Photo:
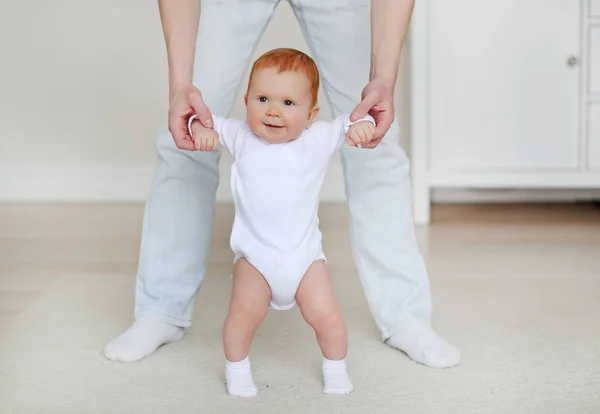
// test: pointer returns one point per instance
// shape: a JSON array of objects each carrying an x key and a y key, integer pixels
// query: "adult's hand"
[
  {"x": 377, "y": 101},
  {"x": 185, "y": 101}
]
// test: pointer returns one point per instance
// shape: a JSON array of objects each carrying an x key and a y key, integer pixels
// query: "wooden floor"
[{"x": 40, "y": 243}]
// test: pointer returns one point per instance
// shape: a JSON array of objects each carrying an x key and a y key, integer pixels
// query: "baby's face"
[{"x": 279, "y": 105}]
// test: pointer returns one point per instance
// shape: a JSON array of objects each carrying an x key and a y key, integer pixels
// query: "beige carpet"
[{"x": 530, "y": 345}]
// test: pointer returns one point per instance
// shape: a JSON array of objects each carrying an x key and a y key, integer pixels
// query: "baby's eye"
[
  {"x": 262, "y": 99},
  {"x": 287, "y": 102}
]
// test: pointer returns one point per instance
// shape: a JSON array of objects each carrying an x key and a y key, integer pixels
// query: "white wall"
[{"x": 83, "y": 88}]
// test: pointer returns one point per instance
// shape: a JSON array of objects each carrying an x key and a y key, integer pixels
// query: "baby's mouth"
[{"x": 274, "y": 126}]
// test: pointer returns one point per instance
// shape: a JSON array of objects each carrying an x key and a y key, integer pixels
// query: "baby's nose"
[{"x": 273, "y": 112}]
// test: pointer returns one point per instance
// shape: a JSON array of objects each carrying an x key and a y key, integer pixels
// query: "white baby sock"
[
  {"x": 424, "y": 346},
  {"x": 335, "y": 377},
  {"x": 239, "y": 378},
  {"x": 142, "y": 339}
]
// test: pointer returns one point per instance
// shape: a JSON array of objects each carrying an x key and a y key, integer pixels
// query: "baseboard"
[
  {"x": 457, "y": 195},
  {"x": 112, "y": 184},
  {"x": 131, "y": 184}
]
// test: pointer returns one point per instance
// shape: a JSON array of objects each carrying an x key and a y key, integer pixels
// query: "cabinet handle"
[{"x": 572, "y": 61}]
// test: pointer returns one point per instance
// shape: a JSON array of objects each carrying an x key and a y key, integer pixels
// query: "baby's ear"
[{"x": 312, "y": 115}]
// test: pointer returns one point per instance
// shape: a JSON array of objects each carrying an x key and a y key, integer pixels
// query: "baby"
[{"x": 280, "y": 159}]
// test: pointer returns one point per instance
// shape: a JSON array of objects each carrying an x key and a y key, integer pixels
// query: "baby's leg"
[
  {"x": 320, "y": 309},
  {"x": 248, "y": 307}
]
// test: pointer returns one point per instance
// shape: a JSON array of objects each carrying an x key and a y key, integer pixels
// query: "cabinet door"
[
  {"x": 593, "y": 131},
  {"x": 594, "y": 8},
  {"x": 503, "y": 93},
  {"x": 594, "y": 60}
]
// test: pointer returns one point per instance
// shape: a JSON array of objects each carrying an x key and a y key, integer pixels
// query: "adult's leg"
[
  {"x": 390, "y": 265},
  {"x": 178, "y": 218}
]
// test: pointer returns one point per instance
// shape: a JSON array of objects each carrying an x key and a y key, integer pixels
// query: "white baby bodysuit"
[{"x": 276, "y": 190}]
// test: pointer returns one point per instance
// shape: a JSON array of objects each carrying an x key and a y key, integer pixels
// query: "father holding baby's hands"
[{"x": 354, "y": 42}]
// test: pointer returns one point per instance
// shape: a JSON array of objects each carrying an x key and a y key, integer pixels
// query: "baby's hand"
[
  {"x": 360, "y": 133},
  {"x": 205, "y": 139}
]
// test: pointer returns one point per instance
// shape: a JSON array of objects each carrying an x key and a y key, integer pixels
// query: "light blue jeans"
[{"x": 178, "y": 218}]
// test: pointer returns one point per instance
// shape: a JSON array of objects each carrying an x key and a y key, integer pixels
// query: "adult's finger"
[
  {"x": 177, "y": 124},
  {"x": 384, "y": 121},
  {"x": 204, "y": 115},
  {"x": 372, "y": 144},
  {"x": 369, "y": 101},
  {"x": 185, "y": 144},
  {"x": 179, "y": 131}
]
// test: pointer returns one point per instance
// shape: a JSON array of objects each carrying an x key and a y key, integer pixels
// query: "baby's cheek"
[{"x": 254, "y": 124}]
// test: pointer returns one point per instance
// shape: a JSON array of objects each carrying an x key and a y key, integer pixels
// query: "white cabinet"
[
  {"x": 497, "y": 95},
  {"x": 594, "y": 8},
  {"x": 594, "y": 60},
  {"x": 496, "y": 89}
]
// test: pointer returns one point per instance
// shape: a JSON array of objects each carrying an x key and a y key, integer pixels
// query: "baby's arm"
[
  {"x": 354, "y": 133},
  {"x": 361, "y": 132},
  {"x": 224, "y": 133},
  {"x": 205, "y": 139},
  {"x": 330, "y": 136}
]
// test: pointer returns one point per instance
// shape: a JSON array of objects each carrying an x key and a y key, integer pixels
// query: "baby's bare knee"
[
  {"x": 323, "y": 316},
  {"x": 247, "y": 310}
]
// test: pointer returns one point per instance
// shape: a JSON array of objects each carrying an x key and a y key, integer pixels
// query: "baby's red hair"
[{"x": 290, "y": 60}]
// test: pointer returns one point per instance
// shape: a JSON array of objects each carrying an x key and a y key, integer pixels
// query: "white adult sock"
[
  {"x": 335, "y": 377},
  {"x": 239, "y": 378},
  {"x": 424, "y": 346},
  {"x": 144, "y": 337}
]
